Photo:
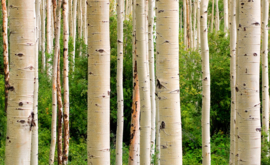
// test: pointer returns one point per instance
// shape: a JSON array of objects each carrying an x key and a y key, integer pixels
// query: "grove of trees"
[{"x": 134, "y": 82}]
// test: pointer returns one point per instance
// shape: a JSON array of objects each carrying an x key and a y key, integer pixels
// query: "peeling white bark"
[{"x": 98, "y": 127}]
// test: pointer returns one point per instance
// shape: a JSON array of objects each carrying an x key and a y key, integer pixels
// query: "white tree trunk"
[
  {"x": 151, "y": 4},
  {"x": 80, "y": 24},
  {"x": 212, "y": 16},
  {"x": 206, "y": 154},
  {"x": 66, "y": 82},
  {"x": 20, "y": 116},
  {"x": 74, "y": 14},
  {"x": 98, "y": 128},
  {"x": 248, "y": 86},
  {"x": 34, "y": 145},
  {"x": 145, "y": 124},
  {"x": 49, "y": 37},
  {"x": 190, "y": 24},
  {"x": 265, "y": 78},
  {"x": 168, "y": 82},
  {"x": 198, "y": 25},
  {"x": 120, "y": 97},
  {"x": 233, "y": 33},
  {"x": 226, "y": 21},
  {"x": 43, "y": 39},
  {"x": 217, "y": 17},
  {"x": 70, "y": 18},
  {"x": 54, "y": 82},
  {"x": 84, "y": 11}
]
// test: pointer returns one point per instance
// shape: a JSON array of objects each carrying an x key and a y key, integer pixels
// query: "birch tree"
[
  {"x": 74, "y": 14},
  {"x": 265, "y": 78},
  {"x": 145, "y": 103},
  {"x": 54, "y": 81},
  {"x": 34, "y": 145},
  {"x": 49, "y": 38},
  {"x": 98, "y": 128},
  {"x": 206, "y": 154},
  {"x": 66, "y": 82},
  {"x": 151, "y": 4},
  {"x": 188, "y": 23},
  {"x": 226, "y": 22},
  {"x": 247, "y": 89},
  {"x": 185, "y": 21},
  {"x": 198, "y": 24},
  {"x": 5, "y": 51},
  {"x": 120, "y": 97},
  {"x": 135, "y": 115},
  {"x": 195, "y": 4},
  {"x": 233, "y": 77},
  {"x": 168, "y": 82},
  {"x": 20, "y": 116},
  {"x": 84, "y": 28},
  {"x": 43, "y": 40}
]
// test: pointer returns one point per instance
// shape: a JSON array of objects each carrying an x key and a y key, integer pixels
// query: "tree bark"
[
  {"x": 198, "y": 25},
  {"x": 265, "y": 78},
  {"x": 71, "y": 31},
  {"x": 74, "y": 13},
  {"x": 5, "y": 51},
  {"x": 226, "y": 21},
  {"x": 84, "y": 24},
  {"x": 185, "y": 21},
  {"x": 20, "y": 116},
  {"x": 98, "y": 129},
  {"x": 60, "y": 115},
  {"x": 54, "y": 82},
  {"x": 151, "y": 55},
  {"x": 135, "y": 115},
  {"x": 80, "y": 23},
  {"x": 49, "y": 38},
  {"x": 145, "y": 104},
  {"x": 206, "y": 154},
  {"x": 233, "y": 33},
  {"x": 191, "y": 24},
  {"x": 34, "y": 145},
  {"x": 188, "y": 23},
  {"x": 168, "y": 82},
  {"x": 54, "y": 3},
  {"x": 120, "y": 97},
  {"x": 43, "y": 39},
  {"x": 66, "y": 82},
  {"x": 247, "y": 88}
]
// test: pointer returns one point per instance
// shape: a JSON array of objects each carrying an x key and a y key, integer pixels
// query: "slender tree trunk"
[
  {"x": 145, "y": 105},
  {"x": 213, "y": 15},
  {"x": 265, "y": 78},
  {"x": 66, "y": 82},
  {"x": 84, "y": 11},
  {"x": 236, "y": 151},
  {"x": 54, "y": 82},
  {"x": 80, "y": 23},
  {"x": 20, "y": 116},
  {"x": 217, "y": 17},
  {"x": 226, "y": 21},
  {"x": 168, "y": 82},
  {"x": 206, "y": 154},
  {"x": 54, "y": 2},
  {"x": 233, "y": 77},
  {"x": 248, "y": 86},
  {"x": 151, "y": 55},
  {"x": 49, "y": 38},
  {"x": 98, "y": 144},
  {"x": 34, "y": 145},
  {"x": 185, "y": 21},
  {"x": 120, "y": 97},
  {"x": 198, "y": 25},
  {"x": 5, "y": 49},
  {"x": 188, "y": 24},
  {"x": 70, "y": 18},
  {"x": 194, "y": 22},
  {"x": 135, "y": 115},
  {"x": 43, "y": 39},
  {"x": 60, "y": 115},
  {"x": 74, "y": 14}
]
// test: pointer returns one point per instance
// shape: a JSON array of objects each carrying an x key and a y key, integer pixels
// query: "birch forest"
[{"x": 134, "y": 82}]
